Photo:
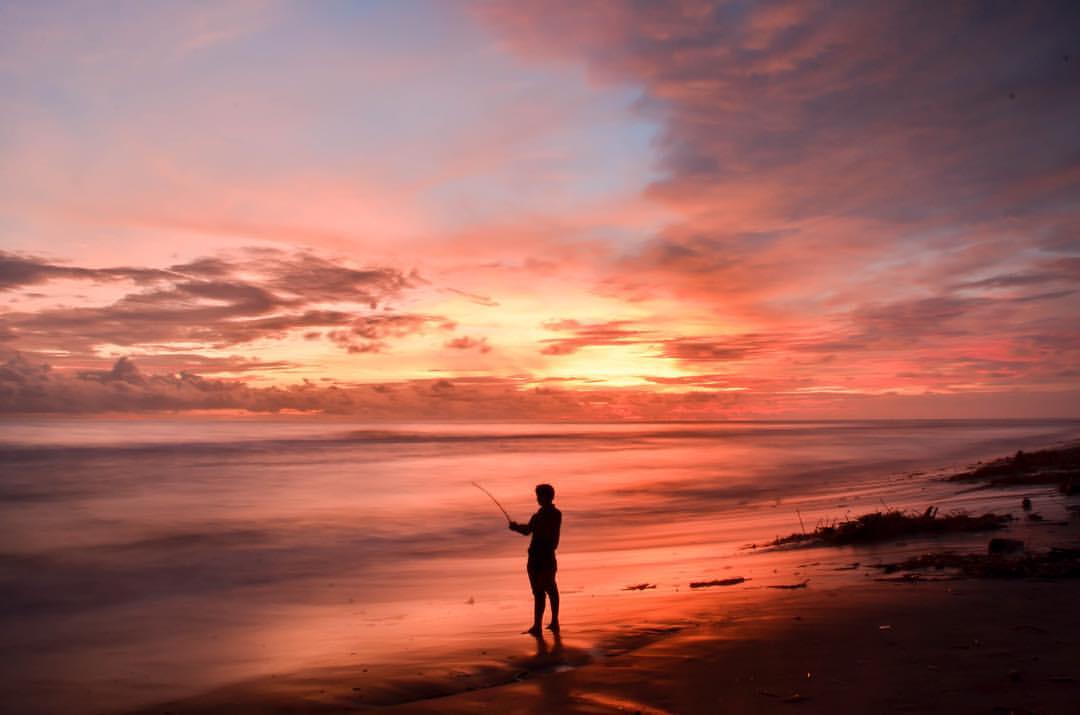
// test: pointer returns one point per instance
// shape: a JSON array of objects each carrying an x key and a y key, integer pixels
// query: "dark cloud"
[
  {"x": 702, "y": 381},
  {"x": 965, "y": 368},
  {"x": 305, "y": 277},
  {"x": 219, "y": 302},
  {"x": 468, "y": 343},
  {"x": 175, "y": 316},
  {"x": 475, "y": 298},
  {"x": 729, "y": 349},
  {"x": 912, "y": 319},
  {"x": 30, "y": 387},
  {"x": 896, "y": 111},
  {"x": 200, "y": 364},
  {"x": 204, "y": 268},
  {"x": 27, "y": 386},
  {"x": 584, "y": 335},
  {"x": 312, "y": 278},
  {"x": 1065, "y": 269},
  {"x": 1063, "y": 236},
  {"x": 369, "y": 334},
  {"x": 20, "y": 270}
]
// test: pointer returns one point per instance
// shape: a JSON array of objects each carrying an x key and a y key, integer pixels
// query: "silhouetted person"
[{"x": 544, "y": 527}]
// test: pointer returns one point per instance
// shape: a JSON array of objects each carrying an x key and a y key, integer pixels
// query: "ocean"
[{"x": 150, "y": 559}]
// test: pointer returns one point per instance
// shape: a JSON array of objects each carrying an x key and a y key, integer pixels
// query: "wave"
[{"x": 623, "y": 435}]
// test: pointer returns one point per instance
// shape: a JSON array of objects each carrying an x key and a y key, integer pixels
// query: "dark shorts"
[{"x": 541, "y": 579}]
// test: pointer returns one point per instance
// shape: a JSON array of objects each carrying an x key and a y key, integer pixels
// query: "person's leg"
[
  {"x": 537, "y": 587},
  {"x": 553, "y": 596},
  {"x": 538, "y": 611}
]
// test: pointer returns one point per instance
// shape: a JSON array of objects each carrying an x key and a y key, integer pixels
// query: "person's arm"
[
  {"x": 523, "y": 529},
  {"x": 558, "y": 528}
]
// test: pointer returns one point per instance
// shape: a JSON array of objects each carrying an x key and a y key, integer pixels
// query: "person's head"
[{"x": 545, "y": 494}]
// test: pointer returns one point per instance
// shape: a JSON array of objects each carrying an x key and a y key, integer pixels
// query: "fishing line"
[{"x": 492, "y": 497}]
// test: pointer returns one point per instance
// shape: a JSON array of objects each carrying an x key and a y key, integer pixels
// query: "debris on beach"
[
  {"x": 1004, "y": 546},
  {"x": 640, "y": 587},
  {"x": 718, "y": 582},
  {"x": 892, "y": 524},
  {"x": 792, "y": 586},
  {"x": 793, "y": 698},
  {"x": 1060, "y": 467},
  {"x": 1055, "y": 563},
  {"x": 915, "y": 578}
]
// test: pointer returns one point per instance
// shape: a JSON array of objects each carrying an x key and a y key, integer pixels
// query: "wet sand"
[{"x": 950, "y": 646}]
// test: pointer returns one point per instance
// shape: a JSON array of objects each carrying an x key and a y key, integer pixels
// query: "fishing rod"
[{"x": 492, "y": 497}]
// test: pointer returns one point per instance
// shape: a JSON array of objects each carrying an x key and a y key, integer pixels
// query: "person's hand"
[{"x": 512, "y": 525}]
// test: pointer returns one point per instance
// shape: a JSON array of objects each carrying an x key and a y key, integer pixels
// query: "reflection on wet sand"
[{"x": 970, "y": 647}]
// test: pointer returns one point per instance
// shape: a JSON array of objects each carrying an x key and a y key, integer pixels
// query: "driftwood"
[
  {"x": 718, "y": 582},
  {"x": 792, "y": 586}
]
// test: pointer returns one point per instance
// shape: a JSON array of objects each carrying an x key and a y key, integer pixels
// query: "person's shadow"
[
  {"x": 548, "y": 658},
  {"x": 554, "y": 686},
  {"x": 551, "y": 657}
]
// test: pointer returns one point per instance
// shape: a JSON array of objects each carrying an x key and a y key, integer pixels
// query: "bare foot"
[
  {"x": 553, "y": 627},
  {"x": 534, "y": 631}
]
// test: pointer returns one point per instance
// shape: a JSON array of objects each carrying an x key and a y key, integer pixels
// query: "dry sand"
[{"x": 968, "y": 646}]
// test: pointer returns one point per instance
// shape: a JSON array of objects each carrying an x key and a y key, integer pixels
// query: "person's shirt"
[{"x": 544, "y": 526}]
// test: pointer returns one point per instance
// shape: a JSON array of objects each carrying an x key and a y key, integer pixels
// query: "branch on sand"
[{"x": 718, "y": 582}]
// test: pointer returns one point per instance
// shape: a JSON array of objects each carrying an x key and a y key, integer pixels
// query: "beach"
[
  {"x": 959, "y": 648},
  {"x": 281, "y": 568}
]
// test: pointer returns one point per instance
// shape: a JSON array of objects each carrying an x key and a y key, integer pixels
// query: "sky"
[{"x": 526, "y": 210}]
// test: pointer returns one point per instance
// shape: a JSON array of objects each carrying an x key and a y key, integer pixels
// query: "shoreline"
[
  {"x": 971, "y": 647},
  {"x": 957, "y": 646}
]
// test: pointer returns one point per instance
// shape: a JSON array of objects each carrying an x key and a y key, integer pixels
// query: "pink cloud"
[{"x": 873, "y": 182}]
